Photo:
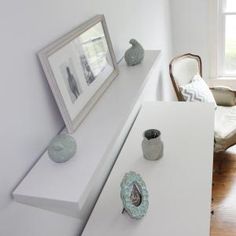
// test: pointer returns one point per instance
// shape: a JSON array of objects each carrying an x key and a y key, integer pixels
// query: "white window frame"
[
  {"x": 221, "y": 72},
  {"x": 213, "y": 37}
]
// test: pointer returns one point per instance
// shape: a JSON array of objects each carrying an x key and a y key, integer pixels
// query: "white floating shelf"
[{"x": 72, "y": 188}]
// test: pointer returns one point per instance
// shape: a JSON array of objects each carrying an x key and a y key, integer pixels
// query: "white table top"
[{"x": 179, "y": 184}]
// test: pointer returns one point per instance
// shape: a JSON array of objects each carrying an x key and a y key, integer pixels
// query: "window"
[{"x": 227, "y": 38}]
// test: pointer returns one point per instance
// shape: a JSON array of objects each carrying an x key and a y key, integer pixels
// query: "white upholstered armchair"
[{"x": 182, "y": 71}]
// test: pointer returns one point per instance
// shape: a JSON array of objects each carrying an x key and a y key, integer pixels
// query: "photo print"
[
  {"x": 71, "y": 80},
  {"x": 94, "y": 54}
]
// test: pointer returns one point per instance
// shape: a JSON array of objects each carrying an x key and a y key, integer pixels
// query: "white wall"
[
  {"x": 29, "y": 115},
  {"x": 190, "y": 29}
]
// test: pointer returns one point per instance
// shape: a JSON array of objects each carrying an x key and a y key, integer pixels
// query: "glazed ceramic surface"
[
  {"x": 152, "y": 145},
  {"x": 134, "y": 195},
  {"x": 135, "y": 54},
  {"x": 62, "y": 148}
]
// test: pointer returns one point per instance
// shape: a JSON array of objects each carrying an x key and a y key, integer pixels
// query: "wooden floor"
[{"x": 224, "y": 195}]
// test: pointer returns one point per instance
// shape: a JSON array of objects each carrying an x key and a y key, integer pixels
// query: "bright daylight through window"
[{"x": 228, "y": 33}]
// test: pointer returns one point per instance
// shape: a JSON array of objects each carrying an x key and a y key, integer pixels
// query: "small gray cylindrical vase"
[
  {"x": 135, "y": 54},
  {"x": 62, "y": 148},
  {"x": 152, "y": 145}
]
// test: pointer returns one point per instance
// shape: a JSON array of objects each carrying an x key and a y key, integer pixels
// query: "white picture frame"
[{"x": 79, "y": 67}]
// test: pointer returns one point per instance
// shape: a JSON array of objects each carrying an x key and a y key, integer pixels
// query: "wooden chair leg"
[{"x": 221, "y": 164}]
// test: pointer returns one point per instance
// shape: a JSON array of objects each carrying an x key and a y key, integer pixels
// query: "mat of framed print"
[{"x": 79, "y": 67}]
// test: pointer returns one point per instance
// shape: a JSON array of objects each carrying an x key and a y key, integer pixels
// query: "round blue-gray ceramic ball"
[{"x": 62, "y": 148}]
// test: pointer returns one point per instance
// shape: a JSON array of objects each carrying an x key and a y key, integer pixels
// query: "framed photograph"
[
  {"x": 134, "y": 195},
  {"x": 79, "y": 67}
]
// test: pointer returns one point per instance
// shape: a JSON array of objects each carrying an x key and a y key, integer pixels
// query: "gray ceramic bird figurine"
[{"x": 135, "y": 54}]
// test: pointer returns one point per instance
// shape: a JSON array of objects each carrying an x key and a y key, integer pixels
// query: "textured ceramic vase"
[
  {"x": 152, "y": 145},
  {"x": 135, "y": 54},
  {"x": 62, "y": 148}
]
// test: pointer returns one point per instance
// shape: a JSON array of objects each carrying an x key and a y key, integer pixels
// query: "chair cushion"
[
  {"x": 224, "y": 96},
  {"x": 197, "y": 91},
  {"x": 184, "y": 70},
  {"x": 225, "y": 127}
]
